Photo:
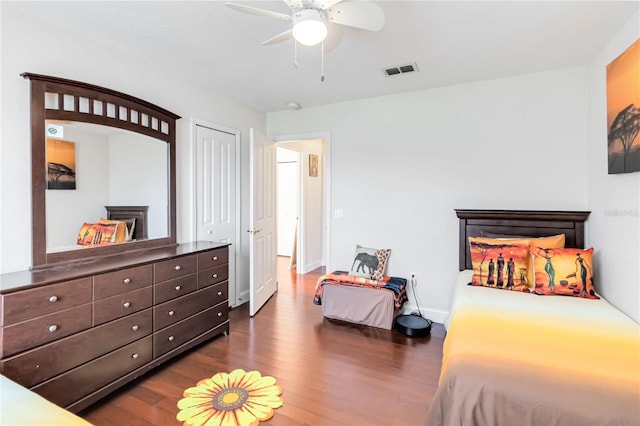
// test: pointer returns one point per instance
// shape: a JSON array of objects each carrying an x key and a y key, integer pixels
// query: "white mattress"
[{"x": 515, "y": 301}]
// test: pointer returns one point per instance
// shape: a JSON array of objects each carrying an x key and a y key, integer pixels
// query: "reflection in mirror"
[
  {"x": 111, "y": 167},
  {"x": 62, "y": 101}
]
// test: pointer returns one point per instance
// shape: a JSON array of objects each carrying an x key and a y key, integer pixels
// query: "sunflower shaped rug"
[{"x": 238, "y": 398}]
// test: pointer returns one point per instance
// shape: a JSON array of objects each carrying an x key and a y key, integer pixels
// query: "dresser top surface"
[{"x": 21, "y": 280}]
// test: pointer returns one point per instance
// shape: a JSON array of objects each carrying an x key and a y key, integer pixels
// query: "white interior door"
[
  {"x": 262, "y": 219},
  {"x": 216, "y": 193}
]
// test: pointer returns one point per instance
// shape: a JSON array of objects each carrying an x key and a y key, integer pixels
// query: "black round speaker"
[{"x": 413, "y": 325}]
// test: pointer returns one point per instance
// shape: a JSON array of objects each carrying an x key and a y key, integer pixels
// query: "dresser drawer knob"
[
  {"x": 53, "y": 299},
  {"x": 178, "y": 288},
  {"x": 214, "y": 258},
  {"x": 171, "y": 313},
  {"x": 126, "y": 280},
  {"x": 134, "y": 328},
  {"x": 219, "y": 314},
  {"x": 177, "y": 267},
  {"x": 219, "y": 293},
  {"x": 214, "y": 276},
  {"x": 126, "y": 304},
  {"x": 52, "y": 328},
  {"x": 135, "y": 356},
  {"x": 171, "y": 338}
]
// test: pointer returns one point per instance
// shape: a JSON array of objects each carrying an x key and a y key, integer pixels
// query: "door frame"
[
  {"x": 326, "y": 164},
  {"x": 234, "y": 249}
]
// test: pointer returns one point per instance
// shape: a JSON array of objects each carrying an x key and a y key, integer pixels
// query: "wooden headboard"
[
  {"x": 127, "y": 212},
  {"x": 525, "y": 223}
]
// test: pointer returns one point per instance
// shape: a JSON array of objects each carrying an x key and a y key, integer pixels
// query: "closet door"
[{"x": 216, "y": 194}]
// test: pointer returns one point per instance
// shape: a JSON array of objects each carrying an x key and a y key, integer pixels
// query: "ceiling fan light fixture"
[{"x": 309, "y": 27}]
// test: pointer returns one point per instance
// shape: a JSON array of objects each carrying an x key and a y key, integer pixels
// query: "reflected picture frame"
[
  {"x": 313, "y": 165},
  {"x": 61, "y": 164}
]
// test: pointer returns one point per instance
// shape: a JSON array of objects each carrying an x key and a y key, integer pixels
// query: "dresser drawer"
[
  {"x": 185, "y": 330},
  {"x": 178, "y": 309},
  {"x": 113, "y": 307},
  {"x": 35, "y": 332},
  {"x": 174, "y": 268},
  {"x": 212, "y": 276},
  {"x": 79, "y": 382},
  {"x": 27, "y": 304},
  {"x": 117, "y": 282},
  {"x": 171, "y": 289},
  {"x": 213, "y": 258},
  {"x": 38, "y": 365}
]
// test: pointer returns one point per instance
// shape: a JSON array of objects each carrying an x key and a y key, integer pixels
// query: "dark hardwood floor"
[{"x": 331, "y": 373}]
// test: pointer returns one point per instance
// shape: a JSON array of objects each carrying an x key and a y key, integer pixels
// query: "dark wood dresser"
[{"x": 74, "y": 333}]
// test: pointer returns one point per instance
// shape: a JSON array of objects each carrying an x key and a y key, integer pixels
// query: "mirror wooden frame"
[{"x": 78, "y": 101}]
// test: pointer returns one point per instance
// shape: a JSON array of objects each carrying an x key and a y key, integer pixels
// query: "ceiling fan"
[{"x": 310, "y": 18}]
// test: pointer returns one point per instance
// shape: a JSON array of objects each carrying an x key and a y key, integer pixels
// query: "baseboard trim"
[
  {"x": 311, "y": 266},
  {"x": 435, "y": 315}
]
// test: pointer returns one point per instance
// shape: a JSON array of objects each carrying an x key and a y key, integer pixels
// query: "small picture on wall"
[
  {"x": 623, "y": 111},
  {"x": 313, "y": 165},
  {"x": 61, "y": 164}
]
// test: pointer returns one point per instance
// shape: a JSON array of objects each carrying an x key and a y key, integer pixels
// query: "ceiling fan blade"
[
  {"x": 361, "y": 14},
  {"x": 280, "y": 37},
  {"x": 294, "y": 4},
  {"x": 259, "y": 12},
  {"x": 334, "y": 36}
]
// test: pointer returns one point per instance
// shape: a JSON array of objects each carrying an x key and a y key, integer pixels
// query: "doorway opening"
[
  {"x": 302, "y": 203},
  {"x": 288, "y": 176}
]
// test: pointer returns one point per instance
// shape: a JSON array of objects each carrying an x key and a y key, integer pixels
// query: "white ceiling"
[{"x": 451, "y": 42}]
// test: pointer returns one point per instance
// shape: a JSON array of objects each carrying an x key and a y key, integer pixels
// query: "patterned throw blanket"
[{"x": 395, "y": 284}]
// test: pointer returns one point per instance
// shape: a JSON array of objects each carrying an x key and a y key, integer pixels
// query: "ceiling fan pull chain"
[
  {"x": 322, "y": 61},
  {"x": 295, "y": 65}
]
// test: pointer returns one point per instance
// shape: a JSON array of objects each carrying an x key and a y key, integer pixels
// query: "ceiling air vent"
[{"x": 401, "y": 69}]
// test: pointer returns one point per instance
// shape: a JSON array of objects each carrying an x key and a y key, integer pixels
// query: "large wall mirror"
[{"x": 103, "y": 172}]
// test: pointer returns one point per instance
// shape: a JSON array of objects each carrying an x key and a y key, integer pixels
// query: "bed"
[
  {"x": 517, "y": 358},
  {"x": 360, "y": 301},
  {"x": 20, "y": 406},
  {"x": 122, "y": 224}
]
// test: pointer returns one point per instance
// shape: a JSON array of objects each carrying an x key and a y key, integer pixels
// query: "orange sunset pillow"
[
  {"x": 499, "y": 263},
  {"x": 567, "y": 271}
]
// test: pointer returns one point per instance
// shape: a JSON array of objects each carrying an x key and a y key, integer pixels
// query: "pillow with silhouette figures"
[
  {"x": 567, "y": 272},
  {"x": 121, "y": 229},
  {"x": 552, "y": 241},
  {"x": 499, "y": 263},
  {"x": 96, "y": 233},
  {"x": 370, "y": 262}
]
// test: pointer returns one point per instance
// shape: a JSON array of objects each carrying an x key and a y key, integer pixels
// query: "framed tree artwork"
[
  {"x": 61, "y": 164},
  {"x": 313, "y": 165},
  {"x": 623, "y": 111}
]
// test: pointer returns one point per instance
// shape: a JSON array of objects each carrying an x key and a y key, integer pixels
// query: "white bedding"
[
  {"x": 510, "y": 301},
  {"x": 20, "y": 406},
  {"x": 518, "y": 358}
]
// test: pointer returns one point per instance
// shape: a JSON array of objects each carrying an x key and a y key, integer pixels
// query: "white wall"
[
  {"x": 89, "y": 197},
  {"x": 28, "y": 46},
  {"x": 614, "y": 200},
  {"x": 400, "y": 164},
  {"x": 138, "y": 176}
]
